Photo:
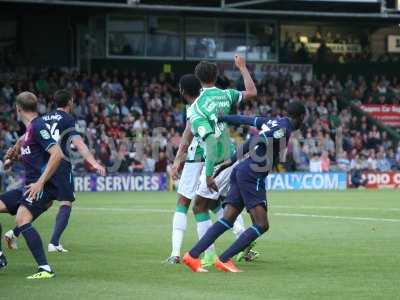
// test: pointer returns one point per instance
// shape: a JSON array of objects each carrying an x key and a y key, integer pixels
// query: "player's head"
[
  {"x": 64, "y": 99},
  {"x": 297, "y": 112},
  {"x": 26, "y": 103},
  {"x": 189, "y": 87},
  {"x": 206, "y": 72}
]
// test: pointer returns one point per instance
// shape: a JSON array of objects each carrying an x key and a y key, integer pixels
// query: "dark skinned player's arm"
[
  {"x": 187, "y": 138},
  {"x": 244, "y": 120}
]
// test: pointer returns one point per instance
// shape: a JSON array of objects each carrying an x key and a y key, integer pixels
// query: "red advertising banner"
[
  {"x": 387, "y": 114},
  {"x": 379, "y": 180}
]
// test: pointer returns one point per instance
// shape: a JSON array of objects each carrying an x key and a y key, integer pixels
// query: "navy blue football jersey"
[
  {"x": 62, "y": 128},
  {"x": 268, "y": 147},
  {"x": 34, "y": 155},
  {"x": 273, "y": 138}
]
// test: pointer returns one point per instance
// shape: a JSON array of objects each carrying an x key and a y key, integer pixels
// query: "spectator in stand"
[
  {"x": 398, "y": 154},
  {"x": 315, "y": 163},
  {"x": 113, "y": 106},
  {"x": 149, "y": 163},
  {"x": 325, "y": 161},
  {"x": 161, "y": 164},
  {"x": 383, "y": 164},
  {"x": 136, "y": 165},
  {"x": 372, "y": 162},
  {"x": 343, "y": 162},
  {"x": 140, "y": 124}
]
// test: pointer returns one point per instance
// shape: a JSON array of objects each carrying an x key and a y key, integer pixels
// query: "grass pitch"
[{"x": 321, "y": 245}]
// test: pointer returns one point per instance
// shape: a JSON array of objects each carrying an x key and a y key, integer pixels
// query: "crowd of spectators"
[{"x": 138, "y": 120}]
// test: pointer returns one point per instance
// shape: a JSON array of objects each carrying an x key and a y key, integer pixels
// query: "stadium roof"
[{"x": 305, "y": 8}]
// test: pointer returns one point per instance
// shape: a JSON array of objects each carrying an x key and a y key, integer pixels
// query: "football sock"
[
  {"x": 238, "y": 226},
  {"x": 203, "y": 224},
  {"x": 34, "y": 243},
  {"x": 179, "y": 224},
  {"x": 251, "y": 234},
  {"x": 16, "y": 231},
  {"x": 45, "y": 267},
  {"x": 210, "y": 236},
  {"x": 61, "y": 223}
]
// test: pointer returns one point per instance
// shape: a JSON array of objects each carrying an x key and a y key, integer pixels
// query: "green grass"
[{"x": 307, "y": 254}]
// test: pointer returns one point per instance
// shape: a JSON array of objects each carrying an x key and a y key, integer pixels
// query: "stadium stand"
[{"x": 115, "y": 107}]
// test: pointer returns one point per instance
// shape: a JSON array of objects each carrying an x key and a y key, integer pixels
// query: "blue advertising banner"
[
  {"x": 306, "y": 181},
  {"x": 121, "y": 182}
]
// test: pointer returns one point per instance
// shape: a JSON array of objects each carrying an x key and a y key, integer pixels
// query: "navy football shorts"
[
  {"x": 247, "y": 189},
  {"x": 12, "y": 200},
  {"x": 64, "y": 182},
  {"x": 43, "y": 201}
]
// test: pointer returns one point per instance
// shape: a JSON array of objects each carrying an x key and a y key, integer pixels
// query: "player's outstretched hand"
[
  {"x": 240, "y": 62},
  {"x": 33, "y": 190},
  {"x": 223, "y": 166},
  {"x": 100, "y": 169},
  {"x": 212, "y": 186},
  {"x": 174, "y": 171},
  {"x": 7, "y": 164},
  {"x": 11, "y": 154}
]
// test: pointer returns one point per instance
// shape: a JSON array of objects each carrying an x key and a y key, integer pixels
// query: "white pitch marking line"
[
  {"x": 154, "y": 210},
  {"x": 336, "y": 207},
  {"x": 116, "y": 209},
  {"x": 338, "y": 217}
]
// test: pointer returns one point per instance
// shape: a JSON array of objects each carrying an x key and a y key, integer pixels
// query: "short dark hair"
[
  {"x": 206, "y": 72},
  {"x": 296, "y": 109},
  {"x": 189, "y": 85},
  {"x": 62, "y": 98},
  {"x": 27, "y": 101}
]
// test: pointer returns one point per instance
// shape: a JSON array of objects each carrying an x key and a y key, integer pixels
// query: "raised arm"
[
  {"x": 251, "y": 90},
  {"x": 244, "y": 120}
]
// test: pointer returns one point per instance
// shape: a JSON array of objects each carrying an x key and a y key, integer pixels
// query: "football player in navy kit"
[{"x": 40, "y": 156}]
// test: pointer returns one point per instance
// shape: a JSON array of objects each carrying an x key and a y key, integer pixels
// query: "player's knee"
[
  {"x": 3, "y": 207},
  {"x": 183, "y": 201},
  {"x": 23, "y": 216},
  {"x": 200, "y": 205}
]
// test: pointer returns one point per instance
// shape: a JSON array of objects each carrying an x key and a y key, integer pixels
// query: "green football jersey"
[{"x": 203, "y": 115}]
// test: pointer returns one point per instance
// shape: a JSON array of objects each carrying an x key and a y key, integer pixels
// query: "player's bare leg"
[
  {"x": 179, "y": 224},
  {"x": 62, "y": 219}
]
